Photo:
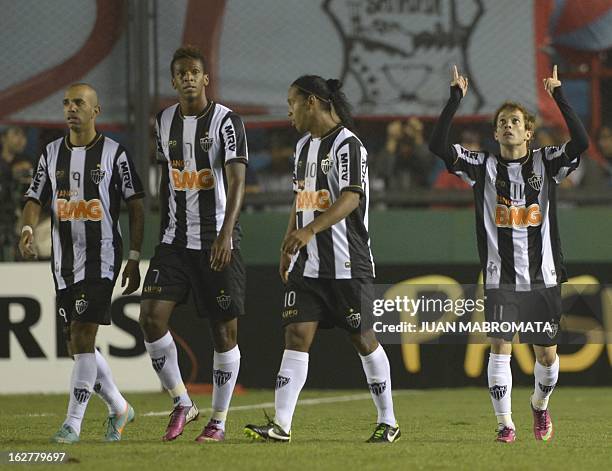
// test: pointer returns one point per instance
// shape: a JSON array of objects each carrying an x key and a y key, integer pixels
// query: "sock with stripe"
[
  {"x": 378, "y": 375},
  {"x": 164, "y": 359},
  {"x": 81, "y": 387},
  {"x": 545, "y": 381},
  {"x": 289, "y": 383},
  {"x": 225, "y": 372},
  {"x": 500, "y": 387},
  {"x": 105, "y": 387}
]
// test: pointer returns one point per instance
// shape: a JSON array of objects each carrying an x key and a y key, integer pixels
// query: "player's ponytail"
[{"x": 330, "y": 94}]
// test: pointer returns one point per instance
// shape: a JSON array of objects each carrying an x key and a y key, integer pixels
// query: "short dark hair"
[
  {"x": 513, "y": 105},
  {"x": 187, "y": 52}
]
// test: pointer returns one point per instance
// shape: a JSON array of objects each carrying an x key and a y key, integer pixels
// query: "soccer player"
[
  {"x": 325, "y": 261},
  {"x": 85, "y": 175},
  {"x": 202, "y": 150},
  {"x": 518, "y": 238}
]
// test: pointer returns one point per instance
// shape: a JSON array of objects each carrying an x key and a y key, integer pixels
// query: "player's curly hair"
[
  {"x": 529, "y": 118},
  {"x": 187, "y": 52},
  {"x": 329, "y": 93}
]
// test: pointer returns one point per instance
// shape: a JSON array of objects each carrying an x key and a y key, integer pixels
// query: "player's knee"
[
  {"x": 82, "y": 337},
  {"x": 150, "y": 324},
  {"x": 224, "y": 335},
  {"x": 297, "y": 338},
  {"x": 547, "y": 357},
  {"x": 364, "y": 342}
]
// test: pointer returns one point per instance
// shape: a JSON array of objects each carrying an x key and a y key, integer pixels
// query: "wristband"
[
  {"x": 134, "y": 255},
  {"x": 27, "y": 228}
]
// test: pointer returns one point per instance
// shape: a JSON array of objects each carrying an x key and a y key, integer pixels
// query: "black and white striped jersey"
[
  {"x": 193, "y": 152},
  {"x": 516, "y": 220},
  {"x": 325, "y": 167},
  {"x": 85, "y": 186}
]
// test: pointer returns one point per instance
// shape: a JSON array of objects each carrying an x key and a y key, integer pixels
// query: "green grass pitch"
[{"x": 441, "y": 429}]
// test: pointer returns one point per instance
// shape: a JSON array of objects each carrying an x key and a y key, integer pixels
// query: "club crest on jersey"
[
  {"x": 97, "y": 175},
  {"x": 353, "y": 319},
  {"x": 206, "y": 143},
  {"x": 492, "y": 269},
  {"x": 497, "y": 391},
  {"x": 221, "y": 377},
  {"x": 224, "y": 300},
  {"x": 535, "y": 181},
  {"x": 326, "y": 164},
  {"x": 81, "y": 306}
]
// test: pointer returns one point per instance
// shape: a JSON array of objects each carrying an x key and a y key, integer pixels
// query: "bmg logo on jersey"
[
  {"x": 79, "y": 210},
  {"x": 183, "y": 180},
  {"x": 518, "y": 216},
  {"x": 313, "y": 200}
]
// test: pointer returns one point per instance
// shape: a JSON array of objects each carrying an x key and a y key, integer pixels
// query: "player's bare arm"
[
  {"x": 131, "y": 272},
  {"x": 285, "y": 258},
  {"x": 29, "y": 220},
  {"x": 221, "y": 249},
  {"x": 345, "y": 205}
]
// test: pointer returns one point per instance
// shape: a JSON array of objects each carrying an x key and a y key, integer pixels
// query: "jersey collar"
[{"x": 94, "y": 141}]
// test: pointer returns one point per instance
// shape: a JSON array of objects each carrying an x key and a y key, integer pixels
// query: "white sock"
[
  {"x": 81, "y": 387},
  {"x": 545, "y": 381},
  {"x": 165, "y": 363},
  {"x": 289, "y": 382},
  {"x": 105, "y": 387},
  {"x": 378, "y": 374},
  {"x": 500, "y": 387},
  {"x": 225, "y": 372}
]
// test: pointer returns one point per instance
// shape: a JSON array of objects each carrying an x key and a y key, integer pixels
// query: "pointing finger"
[
  {"x": 554, "y": 72},
  {"x": 455, "y": 72}
]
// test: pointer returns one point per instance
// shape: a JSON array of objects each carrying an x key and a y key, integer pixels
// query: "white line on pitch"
[{"x": 301, "y": 402}]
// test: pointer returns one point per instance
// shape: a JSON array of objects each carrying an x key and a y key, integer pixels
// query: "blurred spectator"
[
  {"x": 470, "y": 139},
  {"x": 598, "y": 174},
  {"x": 273, "y": 164},
  {"x": 15, "y": 176},
  {"x": 405, "y": 161}
]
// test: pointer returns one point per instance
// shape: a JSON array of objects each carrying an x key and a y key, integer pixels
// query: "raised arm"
[
  {"x": 579, "y": 139},
  {"x": 438, "y": 142}
]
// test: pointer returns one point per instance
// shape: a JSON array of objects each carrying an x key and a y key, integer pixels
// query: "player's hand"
[
  {"x": 459, "y": 81},
  {"x": 26, "y": 246},
  {"x": 296, "y": 240},
  {"x": 551, "y": 83},
  {"x": 221, "y": 252},
  {"x": 283, "y": 267},
  {"x": 131, "y": 274}
]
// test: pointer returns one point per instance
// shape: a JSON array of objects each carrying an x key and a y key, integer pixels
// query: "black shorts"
[
  {"x": 175, "y": 271},
  {"x": 334, "y": 303},
  {"x": 530, "y": 309},
  {"x": 85, "y": 301}
]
